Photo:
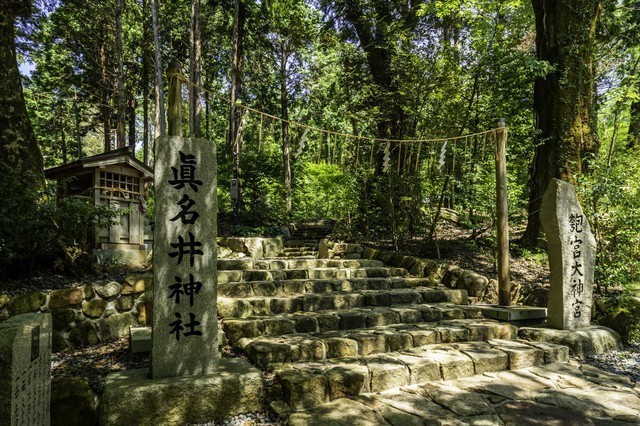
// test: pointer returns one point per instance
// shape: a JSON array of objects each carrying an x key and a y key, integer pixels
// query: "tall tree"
[
  {"x": 195, "y": 66},
  {"x": 161, "y": 124},
  {"x": 18, "y": 146},
  {"x": 563, "y": 99}
]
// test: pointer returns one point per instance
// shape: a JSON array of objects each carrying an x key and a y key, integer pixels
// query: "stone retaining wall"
[{"x": 89, "y": 313}]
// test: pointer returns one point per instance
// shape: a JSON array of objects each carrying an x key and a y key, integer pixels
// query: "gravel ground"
[{"x": 626, "y": 361}]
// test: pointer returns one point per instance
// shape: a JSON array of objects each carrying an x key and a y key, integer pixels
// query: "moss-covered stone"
[
  {"x": 124, "y": 303},
  {"x": 137, "y": 283},
  {"x": 94, "y": 308},
  {"x": 89, "y": 293},
  {"x": 84, "y": 334},
  {"x": 62, "y": 318},
  {"x": 65, "y": 298},
  {"x": 25, "y": 303},
  {"x": 117, "y": 325},
  {"x": 4, "y": 298}
]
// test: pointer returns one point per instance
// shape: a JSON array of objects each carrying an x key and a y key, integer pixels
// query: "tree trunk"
[
  {"x": 132, "y": 123},
  {"x": 145, "y": 83},
  {"x": 237, "y": 62},
  {"x": 563, "y": 100},
  {"x": 195, "y": 64},
  {"x": 286, "y": 144},
  {"x": 120, "y": 128},
  {"x": 106, "y": 94},
  {"x": 63, "y": 135},
  {"x": 161, "y": 124},
  {"x": 18, "y": 147}
]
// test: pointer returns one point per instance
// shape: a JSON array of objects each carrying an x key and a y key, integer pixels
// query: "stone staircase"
[
  {"x": 305, "y": 238},
  {"x": 328, "y": 329}
]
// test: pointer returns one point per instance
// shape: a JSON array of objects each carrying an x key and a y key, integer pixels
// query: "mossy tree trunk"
[
  {"x": 563, "y": 99},
  {"x": 18, "y": 147}
]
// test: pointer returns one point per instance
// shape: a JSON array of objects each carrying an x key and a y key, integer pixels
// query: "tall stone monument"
[
  {"x": 25, "y": 370},
  {"x": 185, "y": 326},
  {"x": 572, "y": 256}
]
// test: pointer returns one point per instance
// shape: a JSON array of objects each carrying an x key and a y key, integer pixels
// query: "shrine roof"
[{"x": 119, "y": 157}]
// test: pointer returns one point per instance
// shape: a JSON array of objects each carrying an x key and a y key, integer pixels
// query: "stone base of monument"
[
  {"x": 514, "y": 313},
  {"x": 582, "y": 342},
  {"x": 131, "y": 397},
  {"x": 140, "y": 339}
]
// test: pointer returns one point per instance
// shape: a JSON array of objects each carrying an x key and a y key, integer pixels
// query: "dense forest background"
[{"x": 564, "y": 75}]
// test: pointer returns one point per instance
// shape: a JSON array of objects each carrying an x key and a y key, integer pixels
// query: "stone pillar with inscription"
[
  {"x": 572, "y": 256},
  {"x": 25, "y": 370},
  {"x": 185, "y": 326}
]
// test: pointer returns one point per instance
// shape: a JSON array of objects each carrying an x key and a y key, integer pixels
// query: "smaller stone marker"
[
  {"x": 25, "y": 370},
  {"x": 572, "y": 256},
  {"x": 185, "y": 324}
]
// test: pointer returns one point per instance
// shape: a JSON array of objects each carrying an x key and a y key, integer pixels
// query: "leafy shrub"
[{"x": 34, "y": 228}]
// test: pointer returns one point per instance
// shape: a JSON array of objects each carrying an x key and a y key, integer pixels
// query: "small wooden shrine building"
[{"x": 116, "y": 179}]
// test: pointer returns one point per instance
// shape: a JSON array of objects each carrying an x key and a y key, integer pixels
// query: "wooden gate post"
[
  {"x": 175, "y": 99},
  {"x": 504, "y": 284}
]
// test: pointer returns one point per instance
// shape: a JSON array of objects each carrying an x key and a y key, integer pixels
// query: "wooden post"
[
  {"x": 175, "y": 99},
  {"x": 504, "y": 285}
]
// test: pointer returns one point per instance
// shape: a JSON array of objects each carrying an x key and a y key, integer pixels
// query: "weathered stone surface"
[
  {"x": 65, "y": 298},
  {"x": 237, "y": 329},
  {"x": 25, "y": 365},
  {"x": 461, "y": 402},
  {"x": 85, "y": 333},
  {"x": 72, "y": 402},
  {"x": 26, "y": 303},
  {"x": 386, "y": 372},
  {"x": 346, "y": 380},
  {"x": 341, "y": 412},
  {"x": 303, "y": 389},
  {"x": 420, "y": 369},
  {"x": 474, "y": 283},
  {"x": 583, "y": 342},
  {"x": 61, "y": 318},
  {"x": 532, "y": 413},
  {"x": 596, "y": 402},
  {"x": 117, "y": 325},
  {"x": 340, "y": 347},
  {"x": 94, "y": 308},
  {"x": 572, "y": 257},
  {"x": 108, "y": 289},
  {"x": 520, "y": 354},
  {"x": 130, "y": 397},
  {"x": 139, "y": 283},
  {"x": 453, "y": 364},
  {"x": 124, "y": 303},
  {"x": 485, "y": 358}
]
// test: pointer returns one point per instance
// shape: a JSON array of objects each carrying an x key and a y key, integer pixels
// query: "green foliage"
[
  {"x": 33, "y": 228},
  {"x": 324, "y": 190}
]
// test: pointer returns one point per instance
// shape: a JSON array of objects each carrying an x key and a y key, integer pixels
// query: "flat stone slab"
[
  {"x": 554, "y": 394},
  {"x": 582, "y": 342},
  {"x": 513, "y": 313},
  {"x": 131, "y": 397}
]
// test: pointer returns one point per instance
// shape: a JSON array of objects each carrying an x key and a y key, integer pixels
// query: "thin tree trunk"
[
  {"x": 63, "y": 135},
  {"x": 195, "y": 64},
  {"x": 286, "y": 144},
  {"x": 161, "y": 124},
  {"x": 106, "y": 94},
  {"x": 120, "y": 128},
  {"x": 132, "y": 123},
  {"x": 237, "y": 62},
  {"x": 633, "y": 136},
  {"x": 145, "y": 83}
]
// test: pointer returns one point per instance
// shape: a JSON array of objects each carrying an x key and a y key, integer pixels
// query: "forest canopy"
[{"x": 564, "y": 76}]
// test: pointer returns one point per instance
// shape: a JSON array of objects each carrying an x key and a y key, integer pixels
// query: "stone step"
[
  {"x": 307, "y": 286},
  {"x": 551, "y": 394},
  {"x": 230, "y": 307},
  {"x": 342, "y": 319},
  {"x": 278, "y": 264},
  {"x": 305, "y": 385},
  {"x": 302, "y": 347},
  {"x": 302, "y": 243},
  {"x": 231, "y": 276},
  {"x": 301, "y": 254},
  {"x": 299, "y": 249}
]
